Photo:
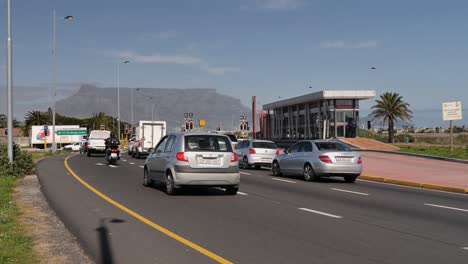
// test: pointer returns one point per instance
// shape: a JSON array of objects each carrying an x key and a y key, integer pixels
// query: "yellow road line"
[{"x": 146, "y": 221}]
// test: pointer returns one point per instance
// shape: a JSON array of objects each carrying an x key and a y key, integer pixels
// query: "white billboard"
[{"x": 452, "y": 111}]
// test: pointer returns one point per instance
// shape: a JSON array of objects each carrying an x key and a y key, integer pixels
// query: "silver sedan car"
[
  {"x": 193, "y": 159},
  {"x": 316, "y": 158}
]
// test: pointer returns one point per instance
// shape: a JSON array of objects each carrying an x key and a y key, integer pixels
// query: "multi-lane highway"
[{"x": 271, "y": 220}]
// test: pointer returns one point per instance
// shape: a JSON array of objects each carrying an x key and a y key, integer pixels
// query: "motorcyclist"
[{"x": 112, "y": 142}]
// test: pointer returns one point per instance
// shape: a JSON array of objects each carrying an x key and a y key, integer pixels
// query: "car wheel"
[
  {"x": 146, "y": 178},
  {"x": 232, "y": 190},
  {"x": 170, "y": 186},
  {"x": 350, "y": 179},
  {"x": 309, "y": 174},
  {"x": 138, "y": 155},
  {"x": 275, "y": 169},
  {"x": 245, "y": 163},
  {"x": 88, "y": 153}
]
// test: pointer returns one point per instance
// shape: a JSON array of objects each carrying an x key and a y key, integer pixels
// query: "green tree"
[
  {"x": 35, "y": 118},
  {"x": 391, "y": 107},
  {"x": 3, "y": 121}
]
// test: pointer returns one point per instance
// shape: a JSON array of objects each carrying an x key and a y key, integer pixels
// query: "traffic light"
[
  {"x": 187, "y": 125},
  {"x": 369, "y": 125},
  {"x": 191, "y": 125},
  {"x": 6, "y": 131}
]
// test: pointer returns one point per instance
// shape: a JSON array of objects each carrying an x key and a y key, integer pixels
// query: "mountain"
[{"x": 170, "y": 105}]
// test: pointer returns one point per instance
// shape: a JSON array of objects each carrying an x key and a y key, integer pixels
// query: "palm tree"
[
  {"x": 37, "y": 118},
  {"x": 390, "y": 107},
  {"x": 3, "y": 121}
]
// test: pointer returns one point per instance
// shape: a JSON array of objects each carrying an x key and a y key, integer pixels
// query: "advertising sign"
[{"x": 452, "y": 111}]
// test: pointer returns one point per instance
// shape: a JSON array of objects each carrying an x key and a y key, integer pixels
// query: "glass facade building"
[{"x": 319, "y": 115}]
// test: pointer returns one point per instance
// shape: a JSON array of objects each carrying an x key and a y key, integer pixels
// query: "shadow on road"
[
  {"x": 192, "y": 191},
  {"x": 104, "y": 242}
]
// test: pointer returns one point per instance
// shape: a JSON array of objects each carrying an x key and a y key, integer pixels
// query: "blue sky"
[{"x": 267, "y": 48}]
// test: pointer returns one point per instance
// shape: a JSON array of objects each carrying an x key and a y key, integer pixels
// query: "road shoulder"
[{"x": 52, "y": 241}]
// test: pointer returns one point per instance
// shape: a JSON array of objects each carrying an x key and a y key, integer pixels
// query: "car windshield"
[
  {"x": 264, "y": 145},
  {"x": 232, "y": 137},
  {"x": 207, "y": 143},
  {"x": 331, "y": 146}
]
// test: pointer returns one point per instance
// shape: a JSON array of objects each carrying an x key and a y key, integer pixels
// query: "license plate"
[
  {"x": 343, "y": 159},
  {"x": 208, "y": 161},
  {"x": 266, "y": 160},
  {"x": 113, "y": 155}
]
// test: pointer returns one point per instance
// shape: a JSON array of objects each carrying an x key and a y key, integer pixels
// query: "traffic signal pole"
[{"x": 9, "y": 86}]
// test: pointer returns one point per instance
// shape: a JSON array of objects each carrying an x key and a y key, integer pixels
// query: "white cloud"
[
  {"x": 280, "y": 4},
  {"x": 366, "y": 44},
  {"x": 339, "y": 44},
  {"x": 221, "y": 70},
  {"x": 135, "y": 57},
  {"x": 333, "y": 44},
  {"x": 157, "y": 58},
  {"x": 158, "y": 36}
]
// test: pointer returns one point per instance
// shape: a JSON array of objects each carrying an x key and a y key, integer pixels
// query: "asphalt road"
[{"x": 271, "y": 220}]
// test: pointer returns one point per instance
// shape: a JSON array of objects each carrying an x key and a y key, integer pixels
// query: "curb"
[
  {"x": 415, "y": 155},
  {"x": 414, "y": 184}
]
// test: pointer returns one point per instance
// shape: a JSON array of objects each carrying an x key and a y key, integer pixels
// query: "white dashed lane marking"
[
  {"x": 346, "y": 191},
  {"x": 446, "y": 207},
  {"x": 320, "y": 213},
  {"x": 112, "y": 166},
  {"x": 142, "y": 167},
  {"x": 283, "y": 180},
  {"x": 131, "y": 163},
  {"x": 241, "y": 193}
]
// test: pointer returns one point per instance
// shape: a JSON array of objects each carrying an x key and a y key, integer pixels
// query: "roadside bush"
[{"x": 22, "y": 165}]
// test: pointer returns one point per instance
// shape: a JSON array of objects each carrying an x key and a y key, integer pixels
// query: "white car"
[
  {"x": 257, "y": 153},
  {"x": 73, "y": 147}
]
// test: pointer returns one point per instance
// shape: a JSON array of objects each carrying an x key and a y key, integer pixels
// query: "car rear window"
[
  {"x": 232, "y": 137},
  {"x": 207, "y": 143},
  {"x": 331, "y": 146},
  {"x": 264, "y": 145}
]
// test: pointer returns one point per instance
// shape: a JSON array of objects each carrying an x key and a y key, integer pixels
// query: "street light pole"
[
  {"x": 9, "y": 86},
  {"x": 118, "y": 96},
  {"x": 54, "y": 76}
]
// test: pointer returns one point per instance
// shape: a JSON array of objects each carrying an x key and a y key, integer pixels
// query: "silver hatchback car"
[
  {"x": 253, "y": 152},
  {"x": 193, "y": 159},
  {"x": 316, "y": 158}
]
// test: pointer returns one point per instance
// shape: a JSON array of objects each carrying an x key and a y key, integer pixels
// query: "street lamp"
[
  {"x": 9, "y": 86},
  {"x": 54, "y": 74},
  {"x": 118, "y": 95}
]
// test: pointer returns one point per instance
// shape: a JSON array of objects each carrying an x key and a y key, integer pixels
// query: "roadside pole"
[
  {"x": 451, "y": 136},
  {"x": 9, "y": 86}
]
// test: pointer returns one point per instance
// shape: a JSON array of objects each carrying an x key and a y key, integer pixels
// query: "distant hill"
[{"x": 171, "y": 104}]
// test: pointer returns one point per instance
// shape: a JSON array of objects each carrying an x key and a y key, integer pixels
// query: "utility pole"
[{"x": 9, "y": 86}]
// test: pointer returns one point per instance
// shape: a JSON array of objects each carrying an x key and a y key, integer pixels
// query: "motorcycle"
[{"x": 113, "y": 156}]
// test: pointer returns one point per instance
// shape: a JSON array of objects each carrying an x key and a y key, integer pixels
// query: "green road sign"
[{"x": 71, "y": 132}]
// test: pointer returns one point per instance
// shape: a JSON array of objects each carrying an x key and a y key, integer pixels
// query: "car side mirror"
[
  {"x": 286, "y": 151},
  {"x": 150, "y": 150}
]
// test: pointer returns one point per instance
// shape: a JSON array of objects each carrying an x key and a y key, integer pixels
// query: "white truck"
[
  {"x": 147, "y": 135},
  {"x": 38, "y": 136},
  {"x": 97, "y": 142}
]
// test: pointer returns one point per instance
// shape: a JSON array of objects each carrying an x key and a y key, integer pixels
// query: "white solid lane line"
[
  {"x": 241, "y": 193},
  {"x": 320, "y": 213},
  {"x": 112, "y": 166},
  {"x": 131, "y": 163},
  {"x": 245, "y": 173},
  {"x": 465, "y": 248},
  {"x": 346, "y": 191},
  {"x": 446, "y": 207},
  {"x": 142, "y": 167},
  {"x": 283, "y": 180}
]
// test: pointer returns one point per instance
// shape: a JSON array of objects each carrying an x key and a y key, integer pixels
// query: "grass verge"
[
  {"x": 14, "y": 246},
  {"x": 42, "y": 154},
  {"x": 458, "y": 153}
]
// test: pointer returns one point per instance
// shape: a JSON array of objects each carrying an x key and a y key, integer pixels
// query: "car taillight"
[
  {"x": 325, "y": 159},
  {"x": 234, "y": 157},
  {"x": 114, "y": 150},
  {"x": 180, "y": 156},
  {"x": 359, "y": 160},
  {"x": 251, "y": 151},
  {"x": 277, "y": 152}
]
